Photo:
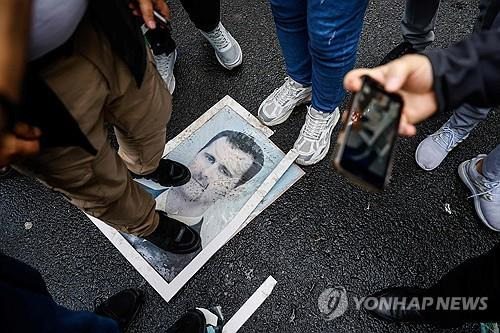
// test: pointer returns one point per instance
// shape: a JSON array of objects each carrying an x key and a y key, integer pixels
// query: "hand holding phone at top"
[
  {"x": 410, "y": 76},
  {"x": 146, "y": 8}
]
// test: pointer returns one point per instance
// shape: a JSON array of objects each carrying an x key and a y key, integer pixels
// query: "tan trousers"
[{"x": 95, "y": 86}]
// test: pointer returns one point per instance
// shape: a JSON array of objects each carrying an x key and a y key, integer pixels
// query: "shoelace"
[
  {"x": 218, "y": 38},
  {"x": 286, "y": 92},
  {"x": 487, "y": 189},
  {"x": 163, "y": 63},
  {"x": 314, "y": 127},
  {"x": 452, "y": 136}
]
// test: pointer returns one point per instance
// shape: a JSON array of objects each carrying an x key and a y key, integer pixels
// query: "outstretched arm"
[{"x": 468, "y": 72}]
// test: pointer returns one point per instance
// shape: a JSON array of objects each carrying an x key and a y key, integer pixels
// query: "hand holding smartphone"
[
  {"x": 161, "y": 21},
  {"x": 365, "y": 145}
]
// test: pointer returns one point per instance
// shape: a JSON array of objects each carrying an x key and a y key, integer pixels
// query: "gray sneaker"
[
  {"x": 486, "y": 193},
  {"x": 278, "y": 106},
  {"x": 433, "y": 149},
  {"x": 227, "y": 49},
  {"x": 315, "y": 136},
  {"x": 165, "y": 65}
]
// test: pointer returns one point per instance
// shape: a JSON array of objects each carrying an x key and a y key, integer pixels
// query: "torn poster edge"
[{"x": 250, "y": 306}]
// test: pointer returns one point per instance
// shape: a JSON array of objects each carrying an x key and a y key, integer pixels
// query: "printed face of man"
[{"x": 215, "y": 171}]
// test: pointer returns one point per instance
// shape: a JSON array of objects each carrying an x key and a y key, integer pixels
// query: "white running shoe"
[
  {"x": 278, "y": 106},
  {"x": 165, "y": 65},
  {"x": 227, "y": 49},
  {"x": 315, "y": 136}
]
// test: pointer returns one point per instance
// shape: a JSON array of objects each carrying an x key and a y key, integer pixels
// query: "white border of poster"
[{"x": 168, "y": 290}]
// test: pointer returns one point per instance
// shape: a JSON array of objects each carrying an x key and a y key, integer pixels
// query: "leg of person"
[
  {"x": 291, "y": 27},
  {"x": 26, "y": 306},
  {"x": 434, "y": 149},
  {"x": 477, "y": 278},
  {"x": 140, "y": 116},
  {"x": 482, "y": 176},
  {"x": 334, "y": 30},
  {"x": 417, "y": 27},
  {"x": 164, "y": 53},
  {"x": 101, "y": 185},
  {"x": 491, "y": 165},
  {"x": 475, "y": 282},
  {"x": 205, "y": 14},
  {"x": 418, "y": 23}
]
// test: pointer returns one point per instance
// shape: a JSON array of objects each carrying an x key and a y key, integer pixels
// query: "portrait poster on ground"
[{"x": 236, "y": 173}]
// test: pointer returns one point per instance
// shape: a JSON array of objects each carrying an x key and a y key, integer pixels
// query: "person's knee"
[{"x": 333, "y": 46}]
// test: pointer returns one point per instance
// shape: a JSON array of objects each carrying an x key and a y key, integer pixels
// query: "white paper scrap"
[{"x": 250, "y": 306}]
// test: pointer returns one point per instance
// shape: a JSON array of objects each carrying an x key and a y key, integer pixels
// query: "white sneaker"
[
  {"x": 314, "y": 139},
  {"x": 227, "y": 49},
  {"x": 165, "y": 65},
  {"x": 278, "y": 106}
]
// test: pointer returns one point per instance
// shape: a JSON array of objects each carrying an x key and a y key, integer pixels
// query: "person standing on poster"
[{"x": 82, "y": 72}]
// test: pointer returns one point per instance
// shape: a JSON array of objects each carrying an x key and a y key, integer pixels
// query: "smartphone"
[
  {"x": 162, "y": 22},
  {"x": 365, "y": 145}
]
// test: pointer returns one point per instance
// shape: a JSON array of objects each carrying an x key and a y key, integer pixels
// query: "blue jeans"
[
  {"x": 319, "y": 40},
  {"x": 491, "y": 165},
  {"x": 26, "y": 305}
]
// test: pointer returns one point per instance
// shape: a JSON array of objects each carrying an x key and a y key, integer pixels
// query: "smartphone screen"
[{"x": 370, "y": 134}]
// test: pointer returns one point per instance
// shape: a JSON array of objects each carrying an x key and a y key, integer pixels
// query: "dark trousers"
[
  {"x": 205, "y": 14},
  {"x": 26, "y": 305},
  {"x": 476, "y": 277}
]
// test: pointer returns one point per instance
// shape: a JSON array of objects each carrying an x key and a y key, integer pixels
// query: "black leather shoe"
[
  {"x": 198, "y": 320},
  {"x": 394, "y": 304},
  {"x": 174, "y": 236},
  {"x": 397, "y": 52},
  {"x": 122, "y": 307},
  {"x": 169, "y": 173}
]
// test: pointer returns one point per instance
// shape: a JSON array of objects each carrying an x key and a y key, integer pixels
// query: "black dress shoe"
[
  {"x": 169, "y": 173},
  {"x": 197, "y": 321},
  {"x": 122, "y": 307},
  {"x": 397, "y": 52},
  {"x": 174, "y": 236},
  {"x": 395, "y": 304}
]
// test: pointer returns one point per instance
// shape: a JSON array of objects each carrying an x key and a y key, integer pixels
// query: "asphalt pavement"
[{"x": 322, "y": 233}]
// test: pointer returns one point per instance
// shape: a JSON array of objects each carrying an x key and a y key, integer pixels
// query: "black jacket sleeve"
[{"x": 468, "y": 72}]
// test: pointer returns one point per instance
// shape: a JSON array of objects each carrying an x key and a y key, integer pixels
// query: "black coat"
[{"x": 469, "y": 72}]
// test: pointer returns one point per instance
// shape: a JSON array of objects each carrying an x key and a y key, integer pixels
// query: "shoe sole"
[
  {"x": 327, "y": 148},
  {"x": 462, "y": 173},
  {"x": 284, "y": 117},
  {"x": 237, "y": 63}
]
